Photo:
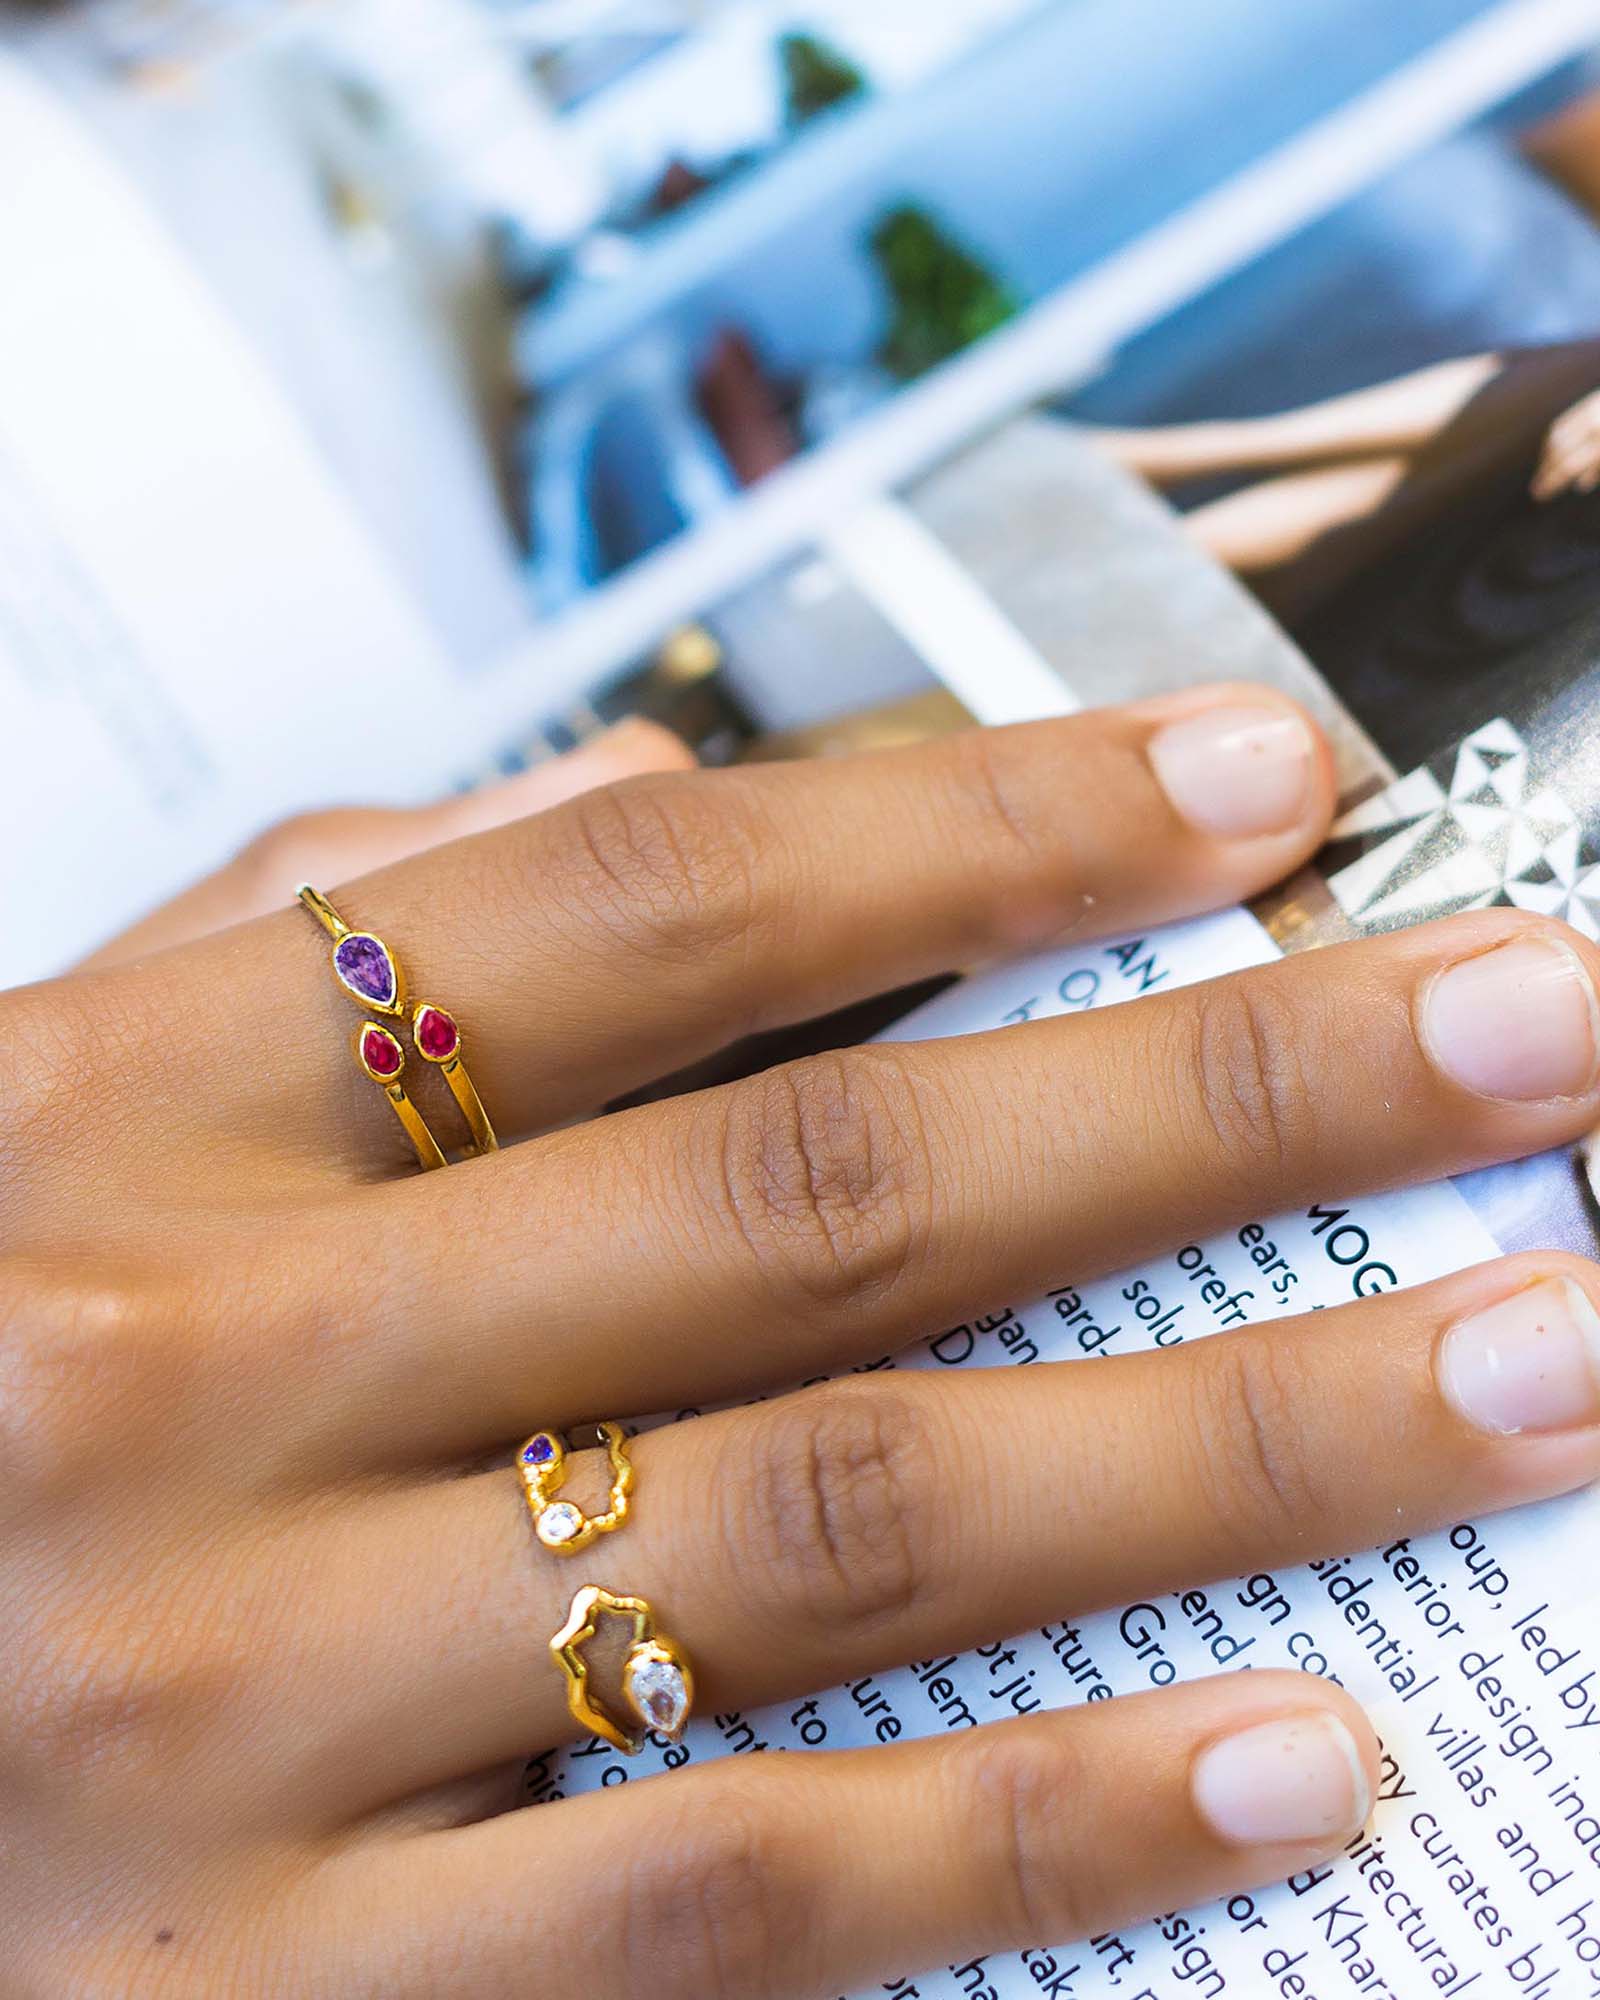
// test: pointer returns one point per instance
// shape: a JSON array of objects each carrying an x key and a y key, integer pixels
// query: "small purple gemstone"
[
  {"x": 540, "y": 1452},
  {"x": 366, "y": 968}
]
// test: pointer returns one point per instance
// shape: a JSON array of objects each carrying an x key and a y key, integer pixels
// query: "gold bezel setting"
[
  {"x": 370, "y": 974},
  {"x": 395, "y": 1004},
  {"x": 447, "y": 1061},
  {"x": 391, "y": 1083},
  {"x": 372, "y": 1031},
  {"x": 663, "y": 1709},
  {"x": 419, "y": 1018}
]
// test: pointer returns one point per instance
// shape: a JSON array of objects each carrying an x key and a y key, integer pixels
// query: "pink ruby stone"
[
  {"x": 380, "y": 1052},
  {"x": 437, "y": 1035}
]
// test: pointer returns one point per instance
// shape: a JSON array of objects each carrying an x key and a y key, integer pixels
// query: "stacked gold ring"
[
  {"x": 368, "y": 971},
  {"x": 657, "y": 1682}
]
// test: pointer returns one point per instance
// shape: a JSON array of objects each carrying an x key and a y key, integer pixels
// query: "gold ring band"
[
  {"x": 561, "y": 1526},
  {"x": 438, "y": 1041},
  {"x": 657, "y": 1682},
  {"x": 379, "y": 1053},
  {"x": 368, "y": 971}
]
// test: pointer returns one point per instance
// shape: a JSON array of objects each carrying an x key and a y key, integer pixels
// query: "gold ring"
[
  {"x": 561, "y": 1526},
  {"x": 370, "y": 973},
  {"x": 379, "y": 1053},
  {"x": 657, "y": 1684}
]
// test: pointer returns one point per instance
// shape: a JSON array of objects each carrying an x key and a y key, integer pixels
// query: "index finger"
[{"x": 640, "y": 927}]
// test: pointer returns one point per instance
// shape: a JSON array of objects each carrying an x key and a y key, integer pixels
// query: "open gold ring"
[
  {"x": 561, "y": 1525},
  {"x": 657, "y": 1683},
  {"x": 380, "y": 1055},
  {"x": 370, "y": 973}
]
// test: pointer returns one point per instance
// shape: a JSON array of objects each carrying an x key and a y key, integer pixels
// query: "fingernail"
[
  {"x": 1300, "y": 1778},
  {"x": 1517, "y": 1022},
  {"x": 1530, "y": 1363},
  {"x": 1236, "y": 772}
]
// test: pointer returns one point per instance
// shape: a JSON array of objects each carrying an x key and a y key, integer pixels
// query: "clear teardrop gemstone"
[{"x": 656, "y": 1689}]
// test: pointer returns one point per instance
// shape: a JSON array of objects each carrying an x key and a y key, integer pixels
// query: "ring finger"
[{"x": 859, "y": 1525}]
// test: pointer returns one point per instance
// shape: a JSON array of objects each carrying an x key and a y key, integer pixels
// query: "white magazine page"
[
  {"x": 1476, "y": 1651},
  {"x": 197, "y": 633}
]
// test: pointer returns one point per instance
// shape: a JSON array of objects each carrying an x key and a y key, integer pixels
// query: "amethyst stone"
[
  {"x": 365, "y": 968},
  {"x": 540, "y": 1452}
]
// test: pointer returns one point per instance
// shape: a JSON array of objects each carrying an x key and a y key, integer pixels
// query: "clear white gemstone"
[
  {"x": 559, "y": 1523},
  {"x": 659, "y": 1697}
]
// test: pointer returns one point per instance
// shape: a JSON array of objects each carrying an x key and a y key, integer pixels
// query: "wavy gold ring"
[
  {"x": 657, "y": 1683},
  {"x": 561, "y": 1526}
]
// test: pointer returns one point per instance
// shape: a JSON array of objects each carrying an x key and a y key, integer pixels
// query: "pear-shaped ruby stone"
[
  {"x": 381, "y": 1052},
  {"x": 437, "y": 1034},
  {"x": 365, "y": 969}
]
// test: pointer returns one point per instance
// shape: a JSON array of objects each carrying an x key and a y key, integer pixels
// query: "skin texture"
[{"x": 274, "y": 1621}]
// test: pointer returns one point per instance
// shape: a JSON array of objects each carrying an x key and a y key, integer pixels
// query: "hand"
[
  {"x": 1570, "y": 461},
  {"x": 275, "y": 1625}
]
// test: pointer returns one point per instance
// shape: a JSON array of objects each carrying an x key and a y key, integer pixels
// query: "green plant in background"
[
  {"x": 943, "y": 298},
  {"x": 815, "y": 78}
]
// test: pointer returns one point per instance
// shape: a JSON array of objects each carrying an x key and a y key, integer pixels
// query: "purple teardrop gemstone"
[
  {"x": 540, "y": 1451},
  {"x": 365, "y": 968}
]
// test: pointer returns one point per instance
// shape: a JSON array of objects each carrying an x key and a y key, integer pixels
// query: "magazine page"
[
  {"x": 1473, "y": 1649},
  {"x": 197, "y": 634}
]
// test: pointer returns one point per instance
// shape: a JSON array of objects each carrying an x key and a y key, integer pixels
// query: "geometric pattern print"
[{"x": 1465, "y": 835}]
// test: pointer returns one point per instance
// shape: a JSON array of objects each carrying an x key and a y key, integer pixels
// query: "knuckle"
[
  {"x": 81, "y": 1361},
  {"x": 95, "y": 1699},
  {"x": 986, "y": 771},
  {"x": 1250, "y": 1089},
  {"x": 839, "y": 1513},
  {"x": 57, "y": 1081},
  {"x": 668, "y": 868},
  {"x": 294, "y": 850},
  {"x": 1259, "y": 1460},
  {"x": 1024, "y": 1784},
  {"x": 717, "y": 1903},
  {"x": 827, "y": 1176}
]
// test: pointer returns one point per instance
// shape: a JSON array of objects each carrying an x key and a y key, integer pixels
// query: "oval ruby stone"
[
  {"x": 381, "y": 1052},
  {"x": 437, "y": 1034}
]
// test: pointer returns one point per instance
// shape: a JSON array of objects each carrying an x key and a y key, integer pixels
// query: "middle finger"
[{"x": 829, "y": 1211}]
